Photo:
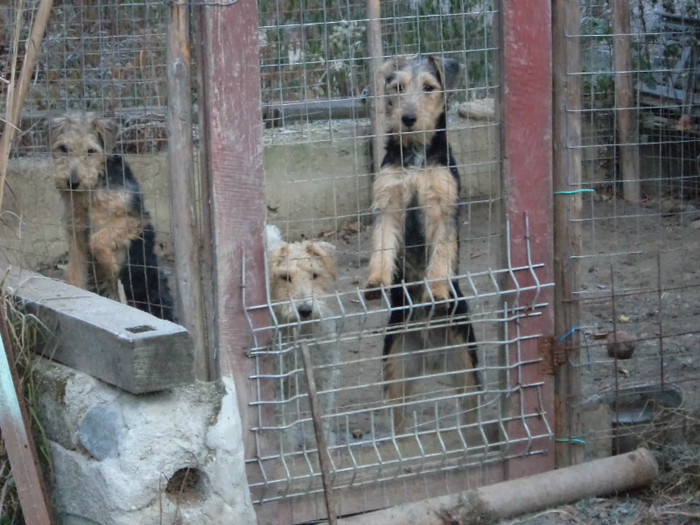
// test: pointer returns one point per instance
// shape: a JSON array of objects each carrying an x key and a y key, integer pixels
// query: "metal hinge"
[{"x": 553, "y": 354}]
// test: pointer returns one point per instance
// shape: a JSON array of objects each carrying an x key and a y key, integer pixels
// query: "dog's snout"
[
  {"x": 305, "y": 310},
  {"x": 74, "y": 180},
  {"x": 408, "y": 119}
]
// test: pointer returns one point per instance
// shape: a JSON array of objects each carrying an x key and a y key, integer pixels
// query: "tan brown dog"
[
  {"x": 415, "y": 245},
  {"x": 110, "y": 236},
  {"x": 302, "y": 277}
]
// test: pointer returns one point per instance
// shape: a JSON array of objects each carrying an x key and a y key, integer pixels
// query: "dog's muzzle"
[
  {"x": 409, "y": 119},
  {"x": 74, "y": 180},
  {"x": 305, "y": 310}
]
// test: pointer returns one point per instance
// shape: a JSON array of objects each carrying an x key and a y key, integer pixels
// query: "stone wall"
[{"x": 121, "y": 459}]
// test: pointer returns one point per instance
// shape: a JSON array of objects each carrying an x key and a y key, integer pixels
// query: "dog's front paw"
[
  {"x": 373, "y": 288},
  {"x": 439, "y": 292}
]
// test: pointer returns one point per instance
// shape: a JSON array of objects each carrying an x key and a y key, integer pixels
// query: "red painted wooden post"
[
  {"x": 527, "y": 151},
  {"x": 231, "y": 105}
]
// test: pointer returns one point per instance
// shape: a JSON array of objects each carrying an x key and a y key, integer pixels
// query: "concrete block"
[{"x": 116, "y": 343}]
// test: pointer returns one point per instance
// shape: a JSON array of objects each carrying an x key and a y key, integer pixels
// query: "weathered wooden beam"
[
  {"x": 527, "y": 167},
  {"x": 625, "y": 107},
  {"x": 567, "y": 178},
  {"x": 18, "y": 439},
  {"x": 191, "y": 305},
  {"x": 126, "y": 347},
  {"x": 231, "y": 108}
]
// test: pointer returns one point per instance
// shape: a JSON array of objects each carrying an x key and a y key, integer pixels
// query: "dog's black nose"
[
  {"x": 74, "y": 180},
  {"x": 409, "y": 119},
  {"x": 304, "y": 310}
]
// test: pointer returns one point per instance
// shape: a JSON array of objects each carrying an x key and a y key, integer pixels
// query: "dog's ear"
[
  {"x": 324, "y": 251},
  {"x": 388, "y": 68},
  {"x": 107, "y": 130},
  {"x": 449, "y": 70},
  {"x": 273, "y": 238},
  {"x": 56, "y": 127}
]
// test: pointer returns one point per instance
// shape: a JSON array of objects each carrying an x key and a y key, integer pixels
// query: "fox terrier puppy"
[{"x": 301, "y": 276}]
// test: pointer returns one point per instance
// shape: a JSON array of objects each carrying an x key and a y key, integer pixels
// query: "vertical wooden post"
[
  {"x": 567, "y": 230},
  {"x": 233, "y": 137},
  {"x": 625, "y": 107},
  {"x": 182, "y": 179},
  {"x": 376, "y": 86},
  {"x": 526, "y": 80}
]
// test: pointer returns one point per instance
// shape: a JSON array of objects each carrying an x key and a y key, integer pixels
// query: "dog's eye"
[
  {"x": 399, "y": 87},
  {"x": 286, "y": 277},
  {"x": 62, "y": 148},
  {"x": 92, "y": 151},
  {"x": 428, "y": 88},
  {"x": 314, "y": 276}
]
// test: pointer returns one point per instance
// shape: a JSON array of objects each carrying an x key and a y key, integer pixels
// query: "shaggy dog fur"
[
  {"x": 415, "y": 245},
  {"x": 111, "y": 239},
  {"x": 301, "y": 275}
]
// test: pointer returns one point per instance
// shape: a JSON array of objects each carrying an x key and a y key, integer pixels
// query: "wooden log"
[
  {"x": 126, "y": 347},
  {"x": 309, "y": 110},
  {"x": 504, "y": 500}
]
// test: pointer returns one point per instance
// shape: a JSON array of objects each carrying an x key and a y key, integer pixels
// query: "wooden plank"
[
  {"x": 19, "y": 442},
  {"x": 123, "y": 346},
  {"x": 183, "y": 196},
  {"x": 527, "y": 152},
  {"x": 625, "y": 107},
  {"x": 231, "y": 104},
  {"x": 567, "y": 229}
]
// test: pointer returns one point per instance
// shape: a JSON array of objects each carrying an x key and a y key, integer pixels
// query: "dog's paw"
[
  {"x": 373, "y": 289},
  {"x": 439, "y": 293}
]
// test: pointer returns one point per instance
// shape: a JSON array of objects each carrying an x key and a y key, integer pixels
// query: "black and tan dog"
[
  {"x": 110, "y": 236},
  {"x": 415, "y": 243}
]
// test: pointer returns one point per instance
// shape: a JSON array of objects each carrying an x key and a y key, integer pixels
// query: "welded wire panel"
[{"x": 366, "y": 447}]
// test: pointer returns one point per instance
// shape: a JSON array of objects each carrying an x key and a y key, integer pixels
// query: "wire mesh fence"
[
  {"x": 638, "y": 285},
  {"x": 107, "y": 59},
  {"x": 316, "y": 83},
  {"x": 637, "y": 292}
]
